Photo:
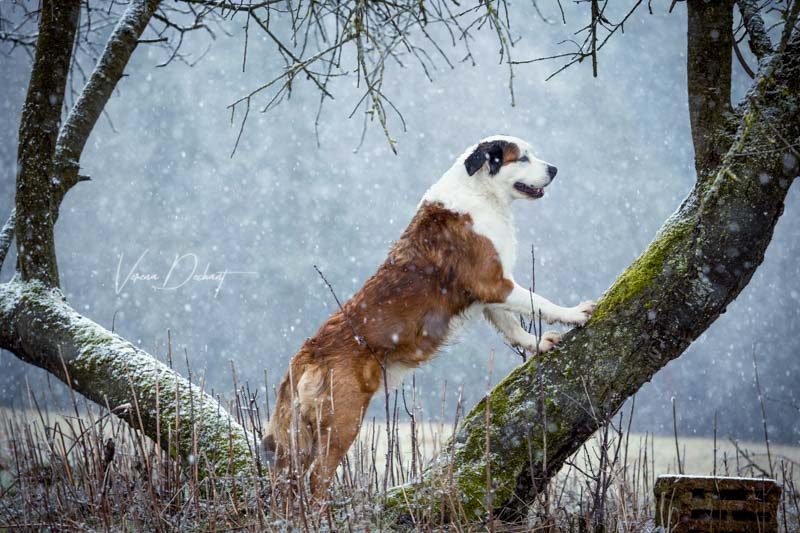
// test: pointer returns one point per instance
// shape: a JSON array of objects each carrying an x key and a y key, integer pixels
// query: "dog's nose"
[{"x": 551, "y": 171}]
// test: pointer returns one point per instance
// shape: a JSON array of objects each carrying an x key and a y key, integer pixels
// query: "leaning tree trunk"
[
  {"x": 42, "y": 329},
  {"x": 36, "y": 323},
  {"x": 699, "y": 261}
]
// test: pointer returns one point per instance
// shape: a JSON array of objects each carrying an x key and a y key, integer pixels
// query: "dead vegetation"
[{"x": 86, "y": 469}]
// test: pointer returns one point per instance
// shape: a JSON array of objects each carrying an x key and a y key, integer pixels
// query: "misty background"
[{"x": 141, "y": 245}]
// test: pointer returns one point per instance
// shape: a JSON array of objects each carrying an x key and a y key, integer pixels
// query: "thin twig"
[{"x": 763, "y": 413}]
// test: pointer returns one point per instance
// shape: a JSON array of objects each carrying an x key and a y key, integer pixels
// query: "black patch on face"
[{"x": 492, "y": 152}]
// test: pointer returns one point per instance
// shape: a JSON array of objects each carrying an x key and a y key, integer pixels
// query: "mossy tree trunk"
[
  {"x": 699, "y": 261},
  {"x": 36, "y": 323}
]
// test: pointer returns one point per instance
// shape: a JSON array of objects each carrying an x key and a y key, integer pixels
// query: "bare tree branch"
[
  {"x": 376, "y": 33},
  {"x": 39, "y": 327},
  {"x": 233, "y": 7},
  {"x": 791, "y": 22},
  {"x": 590, "y": 47},
  {"x": 104, "y": 78},
  {"x": 742, "y": 61},
  {"x": 760, "y": 43},
  {"x": 18, "y": 23}
]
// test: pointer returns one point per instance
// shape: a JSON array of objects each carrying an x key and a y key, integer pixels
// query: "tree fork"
[
  {"x": 36, "y": 323},
  {"x": 699, "y": 261}
]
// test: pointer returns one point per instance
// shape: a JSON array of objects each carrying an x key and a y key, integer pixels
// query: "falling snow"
[{"x": 164, "y": 185}]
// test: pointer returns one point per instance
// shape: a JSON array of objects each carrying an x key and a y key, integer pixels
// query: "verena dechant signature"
[{"x": 177, "y": 275}]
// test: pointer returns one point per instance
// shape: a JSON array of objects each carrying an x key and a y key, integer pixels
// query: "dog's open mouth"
[{"x": 527, "y": 190}]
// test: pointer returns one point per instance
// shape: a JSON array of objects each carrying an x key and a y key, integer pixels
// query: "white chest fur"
[
  {"x": 500, "y": 230},
  {"x": 394, "y": 375}
]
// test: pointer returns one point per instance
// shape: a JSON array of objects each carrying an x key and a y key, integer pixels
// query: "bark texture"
[
  {"x": 39, "y": 327},
  {"x": 38, "y": 130},
  {"x": 7, "y": 236},
  {"x": 709, "y": 53},
  {"x": 759, "y": 41},
  {"x": 696, "y": 265}
]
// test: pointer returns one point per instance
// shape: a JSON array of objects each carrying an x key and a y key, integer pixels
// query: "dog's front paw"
[
  {"x": 580, "y": 314},
  {"x": 546, "y": 343},
  {"x": 549, "y": 341}
]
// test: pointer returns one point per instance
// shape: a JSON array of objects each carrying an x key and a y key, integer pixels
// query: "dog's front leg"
[
  {"x": 523, "y": 301},
  {"x": 507, "y": 323}
]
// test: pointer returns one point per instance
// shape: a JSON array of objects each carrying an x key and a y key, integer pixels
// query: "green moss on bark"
[
  {"x": 110, "y": 370},
  {"x": 644, "y": 271}
]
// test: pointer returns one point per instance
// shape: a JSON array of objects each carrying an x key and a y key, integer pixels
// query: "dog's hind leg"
[
  {"x": 336, "y": 436},
  {"x": 350, "y": 389},
  {"x": 290, "y": 435}
]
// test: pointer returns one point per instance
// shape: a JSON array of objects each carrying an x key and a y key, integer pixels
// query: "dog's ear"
[
  {"x": 492, "y": 152},
  {"x": 475, "y": 161}
]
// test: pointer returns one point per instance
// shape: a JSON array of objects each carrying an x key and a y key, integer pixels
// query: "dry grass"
[
  {"x": 87, "y": 470},
  {"x": 697, "y": 453}
]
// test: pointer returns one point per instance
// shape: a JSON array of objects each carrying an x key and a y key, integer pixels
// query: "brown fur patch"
[
  {"x": 511, "y": 153},
  {"x": 435, "y": 271}
]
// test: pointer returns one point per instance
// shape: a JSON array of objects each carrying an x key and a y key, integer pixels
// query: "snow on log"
[{"x": 39, "y": 327}]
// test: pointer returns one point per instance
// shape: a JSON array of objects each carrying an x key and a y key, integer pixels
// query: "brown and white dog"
[{"x": 455, "y": 260}]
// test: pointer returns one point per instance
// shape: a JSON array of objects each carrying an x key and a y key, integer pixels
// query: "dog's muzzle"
[{"x": 527, "y": 190}]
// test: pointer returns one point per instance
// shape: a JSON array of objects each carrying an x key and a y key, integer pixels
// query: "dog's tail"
[{"x": 292, "y": 428}]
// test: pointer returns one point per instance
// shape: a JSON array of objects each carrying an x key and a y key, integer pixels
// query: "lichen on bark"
[
  {"x": 189, "y": 424},
  {"x": 644, "y": 271},
  {"x": 696, "y": 265}
]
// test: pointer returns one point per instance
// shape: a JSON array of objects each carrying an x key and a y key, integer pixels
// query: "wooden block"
[{"x": 700, "y": 504}]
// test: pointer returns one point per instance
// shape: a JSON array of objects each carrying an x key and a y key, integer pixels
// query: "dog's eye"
[{"x": 523, "y": 159}]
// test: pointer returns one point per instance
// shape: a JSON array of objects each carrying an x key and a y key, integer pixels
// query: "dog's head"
[{"x": 506, "y": 167}]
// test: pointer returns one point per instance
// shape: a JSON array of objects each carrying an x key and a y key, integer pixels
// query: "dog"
[{"x": 454, "y": 260}]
